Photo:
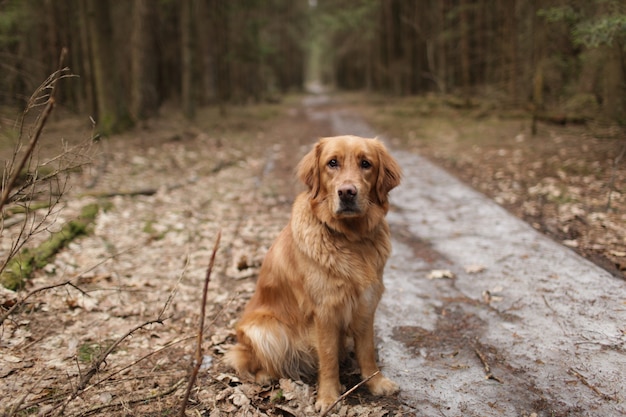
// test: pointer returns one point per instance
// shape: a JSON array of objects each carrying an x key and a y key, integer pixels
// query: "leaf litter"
[{"x": 145, "y": 260}]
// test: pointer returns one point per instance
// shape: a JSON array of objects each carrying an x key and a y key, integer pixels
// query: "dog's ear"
[
  {"x": 389, "y": 173},
  {"x": 309, "y": 169}
]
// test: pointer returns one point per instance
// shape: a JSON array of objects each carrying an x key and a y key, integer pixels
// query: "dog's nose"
[{"x": 347, "y": 192}]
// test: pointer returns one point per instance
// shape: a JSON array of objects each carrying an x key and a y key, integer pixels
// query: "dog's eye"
[
  {"x": 365, "y": 164},
  {"x": 333, "y": 163}
]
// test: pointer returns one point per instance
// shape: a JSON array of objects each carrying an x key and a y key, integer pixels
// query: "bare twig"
[
  {"x": 345, "y": 394},
  {"x": 47, "y": 178},
  {"x": 29, "y": 391},
  {"x": 132, "y": 193},
  {"x": 95, "y": 366},
  {"x": 488, "y": 373},
  {"x": 69, "y": 282},
  {"x": 582, "y": 379},
  {"x": 126, "y": 402},
  {"x": 21, "y": 302},
  {"x": 154, "y": 352},
  {"x": 13, "y": 189},
  {"x": 41, "y": 122},
  {"x": 29, "y": 150},
  {"x": 168, "y": 302},
  {"x": 198, "y": 359}
]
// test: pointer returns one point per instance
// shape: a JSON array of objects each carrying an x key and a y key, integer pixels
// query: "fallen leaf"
[
  {"x": 105, "y": 397},
  {"x": 10, "y": 358},
  {"x": 570, "y": 243},
  {"x": 228, "y": 379},
  {"x": 239, "y": 398},
  {"x": 440, "y": 274},
  {"x": 474, "y": 268},
  {"x": 296, "y": 390}
]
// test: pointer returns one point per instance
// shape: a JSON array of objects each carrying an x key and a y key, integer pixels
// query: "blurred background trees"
[{"x": 561, "y": 56}]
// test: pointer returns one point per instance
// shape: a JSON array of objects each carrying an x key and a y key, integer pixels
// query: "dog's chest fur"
[{"x": 342, "y": 273}]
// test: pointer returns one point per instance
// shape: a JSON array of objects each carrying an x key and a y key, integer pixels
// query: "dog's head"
[{"x": 349, "y": 177}]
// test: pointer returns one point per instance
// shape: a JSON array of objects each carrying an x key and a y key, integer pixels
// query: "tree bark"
[
  {"x": 207, "y": 55},
  {"x": 465, "y": 48},
  {"x": 511, "y": 47},
  {"x": 187, "y": 59},
  {"x": 112, "y": 113},
  {"x": 144, "y": 65},
  {"x": 614, "y": 82}
]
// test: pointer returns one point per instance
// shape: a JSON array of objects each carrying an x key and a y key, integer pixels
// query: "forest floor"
[
  {"x": 568, "y": 182},
  {"x": 165, "y": 190}
]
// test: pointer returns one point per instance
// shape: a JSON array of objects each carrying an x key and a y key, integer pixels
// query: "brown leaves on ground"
[
  {"x": 148, "y": 253},
  {"x": 146, "y": 259}
]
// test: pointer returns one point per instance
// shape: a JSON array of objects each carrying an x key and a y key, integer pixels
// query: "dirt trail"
[{"x": 485, "y": 316}]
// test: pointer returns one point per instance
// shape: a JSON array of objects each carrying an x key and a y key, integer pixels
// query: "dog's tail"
[{"x": 267, "y": 350}]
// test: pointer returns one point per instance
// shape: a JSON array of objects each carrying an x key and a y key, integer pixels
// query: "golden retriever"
[{"x": 322, "y": 279}]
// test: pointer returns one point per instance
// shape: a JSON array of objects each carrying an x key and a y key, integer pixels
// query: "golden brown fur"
[{"x": 321, "y": 280}]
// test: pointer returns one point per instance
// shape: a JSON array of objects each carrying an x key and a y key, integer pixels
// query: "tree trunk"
[
  {"x": 187, "y": 59},
  {"x": 615, "y": 82},
  {"x": 112, "y": 113},
  {"x": 86, "y": 61},
  {"x": 144, "y": 66},
  {"x": 441, "y": 46},
  {"x": 511, "y": 47},
  {"x": 538, "y": 40},
  {"x": 207, "y": 54},
  {"x": 465, "y": 49}
]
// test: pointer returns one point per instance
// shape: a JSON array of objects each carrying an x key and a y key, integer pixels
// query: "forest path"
[
  {"x": 483, "y": 315},
  {"x": 546, "y": 325}
]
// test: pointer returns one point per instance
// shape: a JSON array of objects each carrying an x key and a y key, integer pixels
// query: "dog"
[{"x": 322, "y": 279}]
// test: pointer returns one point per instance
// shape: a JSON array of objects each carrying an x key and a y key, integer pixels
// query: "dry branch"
[
  {"x": 41, "y": 122},
  {"x": 345, "y": 394},
  {"x": 15, "y": 270},
  {"x": 21, "y": 302},
  {"x": 582, "y": 379},
  {"x": 69, "y": 283},
  {"x": 14, "y": 266},
  {"x": 29, "y": 391},
  {"x": 198, "y": 359},
  {"x": 122, "y": 403},
  {"x": 483, "y": 360},
  {"x": 123, "y": 193},
  {"x": 138, "y": 192},
  {"x": 154, "y": 352},
  {"x": 95, "y": 365},
  {"x": 29, "y": 151}
]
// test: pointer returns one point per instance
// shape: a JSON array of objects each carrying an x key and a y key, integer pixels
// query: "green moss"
[
  {"x": 149, "y": 229},
  {"x": 32, "y": 206},
  {"x": 278, "y": 396},
  {"x": 90, "y": 350},
  {"x": 22, "y": 266}
]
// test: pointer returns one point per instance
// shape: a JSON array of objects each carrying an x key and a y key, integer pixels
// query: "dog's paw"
[
  {"x": 326, "y": 398},
  {"x": 323, "y": 403},
  {"x": 263, "y": 378},
  {"x": 382, "y": 386}
]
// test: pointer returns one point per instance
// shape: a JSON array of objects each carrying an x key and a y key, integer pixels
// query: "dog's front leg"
[
  {"x": 328, "y": 340},
  {"x": 363, "y": 332}
]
